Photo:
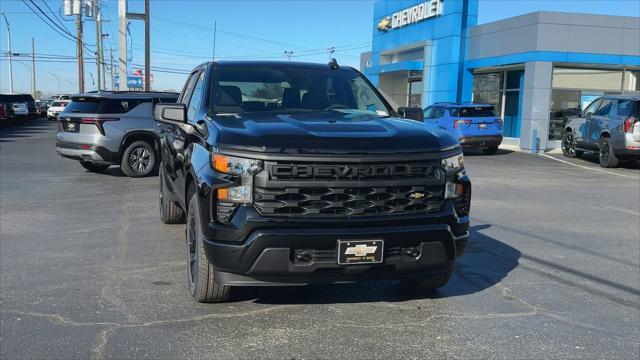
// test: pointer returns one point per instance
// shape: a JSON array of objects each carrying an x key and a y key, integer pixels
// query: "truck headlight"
[
  {"x": 452, "y": 166},
  {"x": 241, "y": 167}
]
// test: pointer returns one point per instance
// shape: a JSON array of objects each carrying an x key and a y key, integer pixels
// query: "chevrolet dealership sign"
[{"x": 412, "y": 15}]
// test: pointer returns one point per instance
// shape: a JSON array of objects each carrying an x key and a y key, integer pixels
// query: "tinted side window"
[
  {"x": 120, "y": 106},
  {"x": 605, "y": 107},
  {"x": 83, "y": 105},
  {"x": 103, "y": 106},
  {"x": 437, "y": 112},
  {"x": 479, "y": 111},
  {"x": 188, "y": 88},
  {"x": 592, "y": 107},
  {"x": 625, "y": 107},
  {"x": 196, "y": 98}
]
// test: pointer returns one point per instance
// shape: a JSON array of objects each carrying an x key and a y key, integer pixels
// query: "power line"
[
  {"x": 210, "y": 29},
  {"x": 64, "y": 32},
  {"x": 55, "y": 15}
]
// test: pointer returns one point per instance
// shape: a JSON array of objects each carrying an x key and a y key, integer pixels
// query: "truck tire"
[
  {"x": 170, "y": 211},
  {"x": 138, "y": 159},
  {"x": 93, "y": 167},
  {"x": 202, "y": 283},
  {"x": 426, "y": 284},
  {"x": 607, "y": 158}
]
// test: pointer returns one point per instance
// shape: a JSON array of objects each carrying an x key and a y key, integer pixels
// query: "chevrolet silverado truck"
[{"x": 294, "y": 173}]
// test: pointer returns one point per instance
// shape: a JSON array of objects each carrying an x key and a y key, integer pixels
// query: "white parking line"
[
  {"x": 582, "y": 166},
  {"x": 630, "y": 212}
]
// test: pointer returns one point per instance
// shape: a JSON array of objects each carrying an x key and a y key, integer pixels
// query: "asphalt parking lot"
[{"x": 88, "y": 271}]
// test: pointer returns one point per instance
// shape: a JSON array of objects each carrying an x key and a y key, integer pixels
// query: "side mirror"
[
  {"x": 174, "y": 114},
  {"x": 413, "y": 113},
  {"x": 588, "y": 116}
]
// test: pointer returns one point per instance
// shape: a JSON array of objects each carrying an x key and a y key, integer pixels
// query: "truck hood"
[{"x": 330, "y": 132}]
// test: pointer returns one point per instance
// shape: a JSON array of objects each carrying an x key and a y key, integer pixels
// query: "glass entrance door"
[{"x": 512, "y": 103}]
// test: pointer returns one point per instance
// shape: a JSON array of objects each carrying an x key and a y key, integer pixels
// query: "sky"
[{"x": 182, "y": 34}]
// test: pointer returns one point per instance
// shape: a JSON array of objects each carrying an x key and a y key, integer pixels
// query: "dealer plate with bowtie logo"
[{"x": 360, "y": 251}]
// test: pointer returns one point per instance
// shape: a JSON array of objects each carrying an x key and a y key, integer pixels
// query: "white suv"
[{"x": 56, "y": 108}]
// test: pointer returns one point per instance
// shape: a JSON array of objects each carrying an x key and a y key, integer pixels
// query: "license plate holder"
[{"x": 353, "y": 252}]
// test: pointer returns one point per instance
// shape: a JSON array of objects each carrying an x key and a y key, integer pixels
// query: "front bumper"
[
  {"x": 481, "y": 141},
  {"x": 264, "y": 251}
]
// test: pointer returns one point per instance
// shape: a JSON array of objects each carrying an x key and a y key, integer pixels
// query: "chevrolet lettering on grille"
[{"x": 351, "y": 171}]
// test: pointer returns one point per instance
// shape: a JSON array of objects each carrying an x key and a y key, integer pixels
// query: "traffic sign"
[{"x": 134, "y": 81}]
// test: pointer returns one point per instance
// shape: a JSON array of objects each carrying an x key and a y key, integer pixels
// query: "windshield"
[
  {"x": 59, "y": 104},
  {"x": 478, "y": 111},
  {"x": 251, "y": 90}
]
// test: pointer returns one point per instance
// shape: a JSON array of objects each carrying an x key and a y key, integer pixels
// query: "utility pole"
[
  {"x": 113, "y": 84},
  {"x": 122, "y": 44},
  {"x": 10, "y": 53},
  {"x": 96, "y": 15},
  {"x": 215, "y": 30},
  {"x": 289, "y": 54},
  {"x": 80, "y": 53},
  {"x": 123, "y": 17},
  {"x": 33, "y": 68},
  {"x": 147, "y": 47},
  {"x": 102, "y": 61}
]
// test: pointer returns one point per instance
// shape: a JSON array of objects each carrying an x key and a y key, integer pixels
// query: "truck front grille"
[
  {"x": 348, "y": 201},
  {"x": 393, "y": 193}
]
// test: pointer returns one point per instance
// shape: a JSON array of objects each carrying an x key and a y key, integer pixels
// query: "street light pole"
[
  {"x": 10, "y": 53},
  {"x": 33, "y": 68},
  {"x": 289, "y": 54},
  {"x": 58, "y": 78}
]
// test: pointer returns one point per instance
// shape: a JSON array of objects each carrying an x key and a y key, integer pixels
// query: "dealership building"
[{"x": 536, "y": 69}]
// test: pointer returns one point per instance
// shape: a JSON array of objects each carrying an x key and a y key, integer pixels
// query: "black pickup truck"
[{"x": 294, "y": 173}]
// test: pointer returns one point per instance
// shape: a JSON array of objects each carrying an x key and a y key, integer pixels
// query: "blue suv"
[{"x": 474, "y": 125}]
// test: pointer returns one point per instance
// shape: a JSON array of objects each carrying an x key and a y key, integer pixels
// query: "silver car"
[
  {"x": 610, "y": 125},
  {"x": 112, "y": 128}
]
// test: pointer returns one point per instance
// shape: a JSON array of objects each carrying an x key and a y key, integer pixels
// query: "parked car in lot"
[
  {"x": 474, "y": 125},
  {"x": 60, "y": 97},
  {"x": 111, "y": 128},
  {"x": 610, "y": 125},
  {"x": 6, "y": 112},
  {"x": 294, "y": 173},
  {"x": 56, "y": 108},
  {"x": 22, "y": 105},
  {"x": 41, "y": 108}
]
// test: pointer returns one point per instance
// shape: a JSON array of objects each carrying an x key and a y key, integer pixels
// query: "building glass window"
[
  {"x": 631, "y": 80},
  {"x": 415, "y": 93},
  {"x": 487, "y": 89},
  {"x": 488, "y": 82},
  {"x": 573, "y": 89},
  {"x": 578, "y": 78},
  {"x": 564, "y": 104},
  {"x": 502, "y": 90},
  {"x": 489, "y": 97}
]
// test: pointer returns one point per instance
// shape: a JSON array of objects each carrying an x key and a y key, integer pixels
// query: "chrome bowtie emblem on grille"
[
  {"x": 361, "y": 250},
  {"x": 417, "y": 195}
]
